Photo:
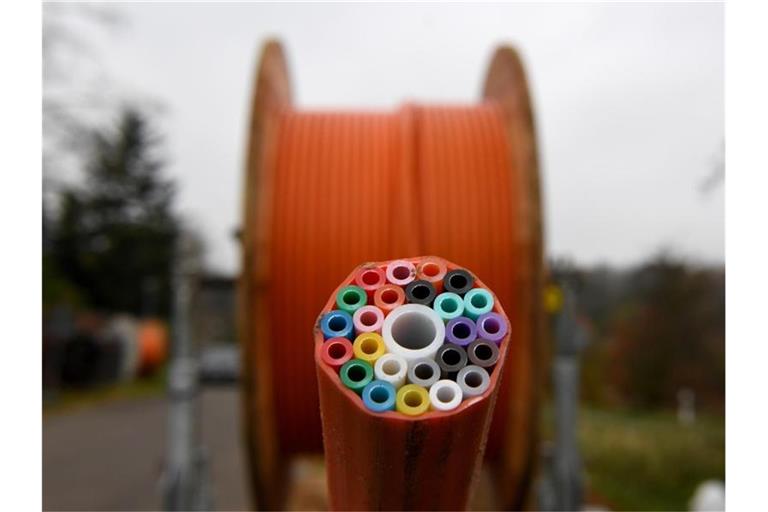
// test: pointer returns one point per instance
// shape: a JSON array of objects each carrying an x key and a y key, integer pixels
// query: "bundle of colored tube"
[{"x": 411, "y": 336}]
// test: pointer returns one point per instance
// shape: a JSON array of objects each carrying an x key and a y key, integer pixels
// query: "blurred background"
[{"x": 145, "y": 115}]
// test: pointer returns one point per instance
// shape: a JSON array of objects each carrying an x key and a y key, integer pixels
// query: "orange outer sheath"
[{"x": 354, "y": 437}]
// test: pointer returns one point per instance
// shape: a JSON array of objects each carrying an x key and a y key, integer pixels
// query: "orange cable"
[{"x": 373, "y": 186}]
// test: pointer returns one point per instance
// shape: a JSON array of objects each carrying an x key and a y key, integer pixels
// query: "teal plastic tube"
[
  {"x": 477, "y": 301},
  {"x": 448, "y": 306}
]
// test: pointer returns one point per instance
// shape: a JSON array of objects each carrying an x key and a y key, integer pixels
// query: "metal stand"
[
  {"x": 562, "y": 486},
  {"x": 186, "y": 479}
]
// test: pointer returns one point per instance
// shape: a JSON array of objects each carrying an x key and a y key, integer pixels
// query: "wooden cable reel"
[{"x": 300, "y": 237}]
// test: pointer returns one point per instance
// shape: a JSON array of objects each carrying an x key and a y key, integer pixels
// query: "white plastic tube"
[
  {"x": 445, "y": 395},
  {"x": 473, "y": 380},
  {"x": 391, "y": 368},
  {"x": 413, "y": 331}
]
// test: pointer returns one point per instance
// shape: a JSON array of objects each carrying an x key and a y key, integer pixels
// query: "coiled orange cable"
[
  {"x": 336, "y": 188},
  {"x": 340, "y": 196}
]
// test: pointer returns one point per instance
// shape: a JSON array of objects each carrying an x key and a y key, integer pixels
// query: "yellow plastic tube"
[
  {"x": 412, "y": 400},
  {"x": 369, "y": 346}
]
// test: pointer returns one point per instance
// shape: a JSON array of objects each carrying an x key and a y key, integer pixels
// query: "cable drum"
[{"x": 326, "y": 190}]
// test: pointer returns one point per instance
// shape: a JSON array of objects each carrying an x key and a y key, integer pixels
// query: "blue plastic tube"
[
  {"x": 379, "y": 396},
  {"x": 337, "y": 324}
]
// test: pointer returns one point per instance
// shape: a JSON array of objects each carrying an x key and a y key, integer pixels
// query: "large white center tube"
[{"x": 413, "y": 331}]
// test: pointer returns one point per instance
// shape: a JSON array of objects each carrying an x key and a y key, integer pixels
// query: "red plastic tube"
[
  {"x": 335, "y": 352},
  {"x": 370, "y": 279}
]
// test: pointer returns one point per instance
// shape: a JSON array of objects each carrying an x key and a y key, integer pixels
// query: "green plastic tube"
[
  {"x": 351, "y": 298},
  {"x": 356, "y": 374}
]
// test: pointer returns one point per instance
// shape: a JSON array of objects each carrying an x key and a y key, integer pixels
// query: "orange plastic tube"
[
  {"x": 388, "y": 297},
  {"x": 432, "y": 270}
]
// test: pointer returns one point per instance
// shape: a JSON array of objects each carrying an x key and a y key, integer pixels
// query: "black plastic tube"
[
  {"x": 483, "y": 353},
  {"x": 450, "y": 358},
  {"x": 458, "y": 281},
  {"x": 420, "y": 292}
]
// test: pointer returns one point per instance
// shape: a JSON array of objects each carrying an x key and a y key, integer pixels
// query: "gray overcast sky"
[{"x": 628, "y": 102}]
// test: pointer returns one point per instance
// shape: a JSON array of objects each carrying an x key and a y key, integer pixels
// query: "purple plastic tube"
[
  {"x": 491, "y": 327},
  {"x": 461, "y": 331}
]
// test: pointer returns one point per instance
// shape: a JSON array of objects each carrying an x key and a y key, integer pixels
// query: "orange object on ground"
[
  {"x": 300, "y": 240},
  {"x": 152, "y": 339}
]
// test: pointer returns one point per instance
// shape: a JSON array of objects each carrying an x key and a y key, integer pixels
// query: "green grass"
[
  {"x": 648, "y": 461},
  {"x": 68, "y": 400}
]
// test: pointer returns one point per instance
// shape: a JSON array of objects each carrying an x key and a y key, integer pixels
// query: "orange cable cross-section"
[{"x": 326, "y": 190}]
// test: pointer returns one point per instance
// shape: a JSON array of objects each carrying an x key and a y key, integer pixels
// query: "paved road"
[{"x": 109, "y": 456}]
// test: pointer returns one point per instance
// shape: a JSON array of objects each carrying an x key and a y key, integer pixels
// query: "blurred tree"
[
  {"x": 113, "y": 237},
  {"x": 671, "y": 336},
  {"x": 657, "y": 328},
  {"x": 57, "y": 288}
]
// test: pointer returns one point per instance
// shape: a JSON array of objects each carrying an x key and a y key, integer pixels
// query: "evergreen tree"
[{"x": 114, "y": 236}]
